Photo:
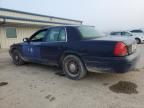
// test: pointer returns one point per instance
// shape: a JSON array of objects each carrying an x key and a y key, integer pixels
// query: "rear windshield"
[{"x": 88, "y": 32}]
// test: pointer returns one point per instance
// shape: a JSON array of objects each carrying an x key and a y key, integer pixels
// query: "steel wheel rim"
[
  {"x": 72, "y": 68},
  {"x": 16, "y": 58}
]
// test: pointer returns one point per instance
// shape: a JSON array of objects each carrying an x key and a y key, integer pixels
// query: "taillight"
[{"x": 120, "y": 49}]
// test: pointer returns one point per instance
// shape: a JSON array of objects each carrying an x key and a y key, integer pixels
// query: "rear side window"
[
  {"x": 53, "y": 34},
  {"x": 56, "y": 34},
  {"x": 62, "y": 35},
  {"x": 137, "y": 31}
]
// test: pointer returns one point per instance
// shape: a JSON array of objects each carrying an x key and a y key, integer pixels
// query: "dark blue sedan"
[{"x": 78, "y": 50}]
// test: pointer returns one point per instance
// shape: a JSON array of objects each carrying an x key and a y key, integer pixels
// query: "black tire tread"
[
  {"x": 82, "y": 73},
  {"x": 21, "y": 61}
]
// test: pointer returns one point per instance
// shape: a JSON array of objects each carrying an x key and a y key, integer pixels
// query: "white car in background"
[
  {"x": 138, "y": 37},
  {"x": 139, "y": 33}
]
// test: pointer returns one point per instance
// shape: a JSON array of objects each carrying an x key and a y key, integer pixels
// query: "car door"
[
  {"x": 31, "y": 49},
  {"x": 54, "y": 45}
]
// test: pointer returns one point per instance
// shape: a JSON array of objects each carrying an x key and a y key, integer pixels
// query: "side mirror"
[{"x": 26, "y": 40}]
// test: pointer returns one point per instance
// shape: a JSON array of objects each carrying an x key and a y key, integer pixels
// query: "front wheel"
[
  {"x": 74, "y": 68},
  {"x": 17, "y": 60}
]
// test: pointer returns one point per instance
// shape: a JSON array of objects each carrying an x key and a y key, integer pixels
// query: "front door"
[
  {"x": 54, "y": 45},
  {"x": 31, "y": 49}
]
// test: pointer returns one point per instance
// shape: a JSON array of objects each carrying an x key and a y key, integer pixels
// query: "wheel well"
[
  {"x": 13, "y": 50},
  {"x": 138, "y": 39}
]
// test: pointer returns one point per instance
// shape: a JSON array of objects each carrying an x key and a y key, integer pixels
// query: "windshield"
[{"x": 88, "y": 32}]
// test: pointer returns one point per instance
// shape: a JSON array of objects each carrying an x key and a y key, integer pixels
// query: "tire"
[
  {"x": 138, "y": 41},
  {"x": 16, "y": 57},
  {"x": 73, "y": 67}
]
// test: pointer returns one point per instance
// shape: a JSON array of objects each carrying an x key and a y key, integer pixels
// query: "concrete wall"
[{"x": 22, "y": 32}]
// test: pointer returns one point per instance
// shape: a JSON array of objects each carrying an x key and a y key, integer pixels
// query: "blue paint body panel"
[{"x": 95, "y": 53}]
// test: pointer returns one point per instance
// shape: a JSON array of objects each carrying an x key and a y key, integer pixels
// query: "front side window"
[
  {"x": 39, "y": 36},
  {"x": 56, "y": 34},
  {"x": 11, "y": 32},
  {"x": 88, "y": 32}
]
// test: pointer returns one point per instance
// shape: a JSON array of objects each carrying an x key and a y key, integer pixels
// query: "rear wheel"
[
  {"x": 17, "y": 60},
  {"x": 138, "y": 41},
  {"x": 73, "y": 67}
]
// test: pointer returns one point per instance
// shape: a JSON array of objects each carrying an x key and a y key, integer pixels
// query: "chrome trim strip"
[{"x": 66, "y": 34}]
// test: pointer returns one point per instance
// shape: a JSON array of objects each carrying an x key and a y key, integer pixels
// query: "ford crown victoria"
[{"x": 78, "y": 50}]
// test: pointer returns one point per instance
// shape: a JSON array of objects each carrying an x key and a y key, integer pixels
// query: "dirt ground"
[{"x": 37, "y": 86}]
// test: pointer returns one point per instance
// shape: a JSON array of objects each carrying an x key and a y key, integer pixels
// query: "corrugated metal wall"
[
  {"x": 22, "y": 32},
  {"x": 36, "y": 17}
]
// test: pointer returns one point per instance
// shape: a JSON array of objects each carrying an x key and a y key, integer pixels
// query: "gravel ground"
[{"x": 37, "y": 86}]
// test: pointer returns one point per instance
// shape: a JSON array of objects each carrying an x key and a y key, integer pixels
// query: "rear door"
[{"x": 54, "y": 45}]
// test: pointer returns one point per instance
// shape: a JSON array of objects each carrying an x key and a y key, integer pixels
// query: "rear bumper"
[{"x": 112, "y": 64}]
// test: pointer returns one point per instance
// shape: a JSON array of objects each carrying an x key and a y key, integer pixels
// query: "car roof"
[{"x": 136, "y": 30}]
